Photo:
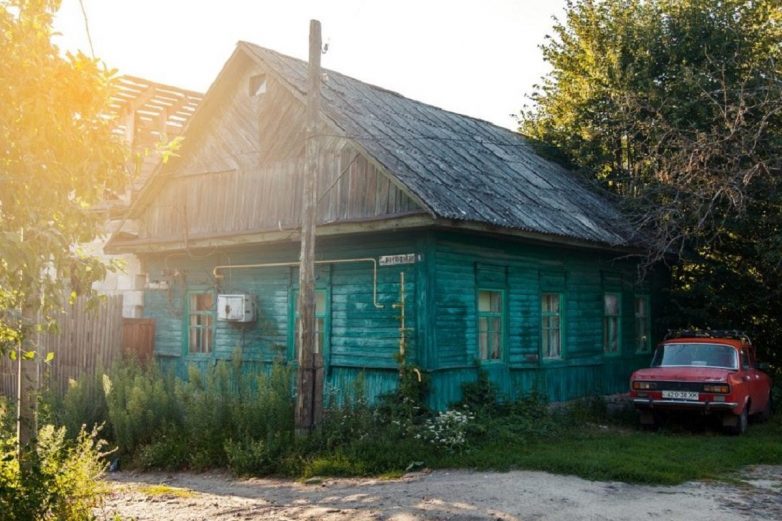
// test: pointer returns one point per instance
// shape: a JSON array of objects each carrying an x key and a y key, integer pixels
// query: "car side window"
[
  {"x": 744, "y": 359},
  {"x": 753, "y": 360}
]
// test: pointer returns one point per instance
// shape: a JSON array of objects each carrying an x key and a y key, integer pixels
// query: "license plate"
[{"x": 680, "y": 395}]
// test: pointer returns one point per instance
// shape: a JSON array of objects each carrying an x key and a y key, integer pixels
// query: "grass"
[
  {"x": 631, "y": 455},
  {"x": 165, "y": 491}
]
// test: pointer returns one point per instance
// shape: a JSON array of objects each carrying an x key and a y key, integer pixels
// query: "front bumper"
[{"x": 706, "y": 407}]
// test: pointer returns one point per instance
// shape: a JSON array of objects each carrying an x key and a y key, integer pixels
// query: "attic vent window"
[{"x": 258, "y": 85}]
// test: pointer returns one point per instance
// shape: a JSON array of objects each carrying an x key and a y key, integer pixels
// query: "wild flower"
[{"x": 447, "y": 430}]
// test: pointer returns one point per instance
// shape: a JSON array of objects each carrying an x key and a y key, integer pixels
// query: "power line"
[{"x": 87, "y": 28}]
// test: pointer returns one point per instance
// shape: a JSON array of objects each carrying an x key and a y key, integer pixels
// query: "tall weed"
[{"x": 58, "y": 479}]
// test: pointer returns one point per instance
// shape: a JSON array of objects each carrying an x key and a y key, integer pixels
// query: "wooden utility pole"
[{"x": 309, "y": 384}]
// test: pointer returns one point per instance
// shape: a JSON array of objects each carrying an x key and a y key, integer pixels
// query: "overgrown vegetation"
[
  {"x": 227, "y": 418},
  {"x": 56, "y": 480}
]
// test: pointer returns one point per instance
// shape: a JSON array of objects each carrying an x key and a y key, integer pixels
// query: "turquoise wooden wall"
[
  {"x": 360, "y": 338},
  {"x": 464, "y": 264},
  {"x": 441, "y": 309}
]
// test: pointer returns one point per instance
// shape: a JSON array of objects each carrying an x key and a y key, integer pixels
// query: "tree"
[
  {"x": 676, "y": 105},
  {"x": 57, "y": 158}
]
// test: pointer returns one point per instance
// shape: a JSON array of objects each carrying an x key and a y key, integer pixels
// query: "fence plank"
[{"x": 88, "y": 339}]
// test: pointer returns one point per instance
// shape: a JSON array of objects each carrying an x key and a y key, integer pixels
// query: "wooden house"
[{"x": 495, "y": 256}]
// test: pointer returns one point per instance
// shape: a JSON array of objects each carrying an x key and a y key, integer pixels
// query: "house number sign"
[{"x": 395, "y": 260}]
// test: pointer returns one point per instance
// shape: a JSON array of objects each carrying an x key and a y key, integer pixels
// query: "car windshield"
[{"x": 695, "y": 355}]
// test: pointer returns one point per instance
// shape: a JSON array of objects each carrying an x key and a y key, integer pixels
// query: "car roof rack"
[{"x": 735, "y": 334}]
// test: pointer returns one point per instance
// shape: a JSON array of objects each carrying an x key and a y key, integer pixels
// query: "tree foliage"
[
  {"x": 57, "y": 159},
  {"x": 676, "y": 105}
]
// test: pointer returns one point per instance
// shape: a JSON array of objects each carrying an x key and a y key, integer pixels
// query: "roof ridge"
[{"x": 385, "y": 90}]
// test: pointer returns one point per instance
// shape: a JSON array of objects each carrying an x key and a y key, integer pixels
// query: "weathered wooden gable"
[{"x": 240, "y": 171}]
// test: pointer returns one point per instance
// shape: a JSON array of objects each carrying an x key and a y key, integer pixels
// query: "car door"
[
  {"x": 747, "y": 373},
  {"x": 761, "y": 383}
]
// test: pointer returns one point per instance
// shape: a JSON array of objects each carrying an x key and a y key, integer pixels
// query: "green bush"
[
  {"x": 481, "y": 396},
  {"x": 209, "y": 420},
  {"x": 169, "y": 451},
  {"x": 141, "y": 405},
  {"x": 82, "y": 404},
  {"x": 59, "y": 479}
]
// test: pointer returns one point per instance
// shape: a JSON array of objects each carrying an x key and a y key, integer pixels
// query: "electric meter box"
[{"x": 236, "y": 308}]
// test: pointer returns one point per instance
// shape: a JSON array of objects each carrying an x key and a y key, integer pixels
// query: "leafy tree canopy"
[
  {"x": 676, "y": 105},
  {"x": 57, "y": 159}
]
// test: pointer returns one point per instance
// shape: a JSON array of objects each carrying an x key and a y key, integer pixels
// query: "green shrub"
[
  {"x": 141, "y": 405},
  {"x": 405, "y": 409},
  {"x": 82, "y": 405},
  {"x": 59, "y": 479},
  {"x": 169, "y": 451},
  {"x": 249, "y": 457},
  {"x": 212, "y": 419},
  {"x": 480, "y": 396}
]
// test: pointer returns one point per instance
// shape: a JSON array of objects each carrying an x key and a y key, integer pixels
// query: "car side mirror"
[{"x": 763, "y": 366}]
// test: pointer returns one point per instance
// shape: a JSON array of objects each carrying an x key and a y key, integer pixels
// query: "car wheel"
[
  {"x": 741, "y": 423},
  {"x": 765, "y": 414}
]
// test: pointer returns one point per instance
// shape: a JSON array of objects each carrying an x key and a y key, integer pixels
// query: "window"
[
  {"x": 550, "y": 325},
  {"x": 642, "y": 337},
  {"x": 611, "y": 308},
  {"x": 490, "y": 324},
  {"x": 320, "y": 322},
  {"x": 258, "y": 85},
  {"x": 200, "y": 322}
]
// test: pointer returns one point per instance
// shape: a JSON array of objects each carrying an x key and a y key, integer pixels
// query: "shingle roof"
[{"x": 460, "y": 167}]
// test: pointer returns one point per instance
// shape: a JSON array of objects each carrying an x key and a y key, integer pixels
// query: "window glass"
[
  {"x": 200, "y": 323},
  {"x": 551, "y": 340},
  {"x": 695, "y": 355},
  {"x": 490, "y": 325},
  {"x": 611, "y": 323},
  {"x": 642, "y": 336}
]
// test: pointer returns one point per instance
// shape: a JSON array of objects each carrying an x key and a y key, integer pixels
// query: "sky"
[{"x": 479, "y": 58}]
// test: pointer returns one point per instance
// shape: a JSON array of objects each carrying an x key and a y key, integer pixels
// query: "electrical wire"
[{"x": 87, "y": 28}]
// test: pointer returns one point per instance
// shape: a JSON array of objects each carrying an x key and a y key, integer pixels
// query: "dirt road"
[{"x": 447, "y": 495}]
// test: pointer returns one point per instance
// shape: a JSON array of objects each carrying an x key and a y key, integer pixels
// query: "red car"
[{"x": 711, "y": 372}]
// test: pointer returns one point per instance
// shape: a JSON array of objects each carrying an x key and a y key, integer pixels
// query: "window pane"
[
  {"x": 490, "y": 322},
  {"x": 483, "y": 346},
  {"x": 551, "y": 303},
  {"x": 495, "y": 345},
  {"x": 553, "y": 343},
  {"x": 496, "y": 302},
  {"x": 489, "y": 301},
  {"x": 640, "y": 307},
  {"x": 200, "y": 323},
  {"x": 611, "y": 305},
  {"x": 201, "y": 302},
  {"x": 611, "y": 335},
  {"x": 320, "y": 302},
  {"x": 550, "y": 325}
]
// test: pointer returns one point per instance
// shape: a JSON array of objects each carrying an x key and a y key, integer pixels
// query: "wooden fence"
[{"x": 88, "y": 339}]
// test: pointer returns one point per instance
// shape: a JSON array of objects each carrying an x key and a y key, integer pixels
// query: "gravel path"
[{"x": 448, "y": 495}]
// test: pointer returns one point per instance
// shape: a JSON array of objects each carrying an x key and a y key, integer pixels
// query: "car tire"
[{"x": 741, "y": 424}]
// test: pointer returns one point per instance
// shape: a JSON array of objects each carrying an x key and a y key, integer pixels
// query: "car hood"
[{"x": 674, "y": 374}]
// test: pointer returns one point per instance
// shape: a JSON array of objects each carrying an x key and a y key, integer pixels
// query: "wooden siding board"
[
  {"x": 464, "y": 263},
  {"x": 246, "y": 174},
  {"x": 360, "y": 334}
]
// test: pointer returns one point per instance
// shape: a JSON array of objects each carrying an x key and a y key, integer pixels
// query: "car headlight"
[
  {"x": 716, "y": 388},
  {"x": 643, "y": 386}
]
